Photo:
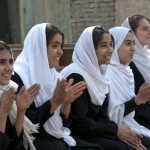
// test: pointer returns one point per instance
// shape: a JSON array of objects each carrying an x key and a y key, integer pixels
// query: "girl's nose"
[
  {"x": 9, "y": 67},
  {"x": 110, "y": 49},
  {"x": 60, "y": 51}
]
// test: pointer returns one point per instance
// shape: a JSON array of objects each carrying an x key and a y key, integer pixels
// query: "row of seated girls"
[{"x": 95, "y": 103}]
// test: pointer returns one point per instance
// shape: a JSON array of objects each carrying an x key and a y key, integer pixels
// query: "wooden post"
[{"x": 21, "y": 14}]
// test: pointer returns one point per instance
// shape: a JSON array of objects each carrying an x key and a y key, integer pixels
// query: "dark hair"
[
  {"x": 51, "y": 31},
  {"x": 134, "y": 21},
  {"x": 98, "y": 33},
  {"x": 4, "y": 46}
]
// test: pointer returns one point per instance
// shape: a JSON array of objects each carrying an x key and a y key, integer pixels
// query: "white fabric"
[
  {"x": 33, "y": 67},
  {"x": 85, "y": 63},
  {"x": 141, "y": 57},
  {"x": 121, "y": 88},
  {"x": 28, "y": 127}
]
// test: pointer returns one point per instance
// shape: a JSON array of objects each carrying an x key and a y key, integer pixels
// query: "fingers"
[
  {"x": 66, "y": 92},
  {"x": 130, "y": 137},
  {"x": 136, "y": 135},
  {"x": 34, "y": 90},
  {"x": 9, "y": 94},
  {"x": 145, "y": 84},
  {"x": 77, "y": 95},
  {"x": 25, "y": 97},
  {"x": 22, "y": 90},
  {"x": 61, "y": 85},
  {"x": 70, "y": 82},
  {"x": 143, "y": 95},
  {"x": 6, "y": 100},
  {"x": 79, "y": 87},
  {"x": 136, "y": 147},
  {"x": 134, "y": 140}
]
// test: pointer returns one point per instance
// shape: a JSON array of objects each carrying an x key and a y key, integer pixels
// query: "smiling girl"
[
  {"x": 13, "y": 123},
  {"x": 140, "y": 25}
]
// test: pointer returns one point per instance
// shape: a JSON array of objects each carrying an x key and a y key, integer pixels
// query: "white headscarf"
[
  {"x": 28, "y": 127},
  {"x": 85, "y": 63},
  {"x": 141, "y": 57},
  {"x": 33, "y": 67},
  {"x": 121, "y": 88}
]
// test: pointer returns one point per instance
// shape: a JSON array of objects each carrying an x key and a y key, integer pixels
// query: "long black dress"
[
  {"x": 9, "y": 140},
  {"x": 90, "y": 122},
  {"x": 43, "y": 140},
  {"x": 142, "y": 114}
]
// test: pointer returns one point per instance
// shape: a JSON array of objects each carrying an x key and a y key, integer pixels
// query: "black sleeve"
[
  {"x": 10, "y": 139},
  {"x": 142, "y": 112},
  {"x": 35, "y": 114},
  {"x": 17, "y": 142},
  {"x": 39, "y": 114},
  {"x": 66, "y": 122},
  {"x": 5, "y": 141},
  {"x": 138, "y": 78},
  {"x": 83, "y": 121},
  {"x": 16, "y": 78},
  {"x": 138, "y": 81},
  {"x": 130, "y": 106}
]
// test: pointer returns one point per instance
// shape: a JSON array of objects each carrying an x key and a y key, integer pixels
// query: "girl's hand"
[
  {"x": 6, "y": 100},
  {"x": 26, "y": 97}
]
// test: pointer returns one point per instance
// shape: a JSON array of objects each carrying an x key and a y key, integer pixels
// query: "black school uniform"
[
  {"x": 9, "y": 140},
  {"x": 142, "y": 114},
  {"x": 43, "y": 140},
  {"x": 90, "y": 122}
]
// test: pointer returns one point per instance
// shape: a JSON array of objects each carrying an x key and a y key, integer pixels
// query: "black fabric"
[
  {"x": 43, "y": 140},
  {"x": 146, "y": 142},
  {"x": 5, "y": 141},
  {"x": 130, "y": 106},
  {"x": 142, "y": 113},
  {"x": 90, "y": 122},
  {"x": 82, "y": 145},
  {"x": 9, "y": 140},
  {"x": 16, "y": 78},
  {"x": 138, "y": 78}
]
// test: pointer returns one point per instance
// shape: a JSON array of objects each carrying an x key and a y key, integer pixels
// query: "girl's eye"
[
  {"x": 11, "y": 62},
  {"x": 130, "y": 43},
  {"x": 2, "y": 62},
  {"x": 111, "y": 44},
  {"x": 146, "y": 29},
  {"x": 54, "y": 46},
  {"x": 103, "y": 46}
]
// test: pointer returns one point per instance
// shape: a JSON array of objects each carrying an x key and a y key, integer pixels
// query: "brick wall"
[{"x": 86, "y": 13}]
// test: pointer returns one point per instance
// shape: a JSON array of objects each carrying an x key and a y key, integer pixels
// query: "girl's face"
[
  {"x": 104, "y": 49},
  {"x": 54, "y": 51},
  {"x": 6, "y": 66},
  {"x": 142, "y": 32},
  {"x": 126, "y": 50}
]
